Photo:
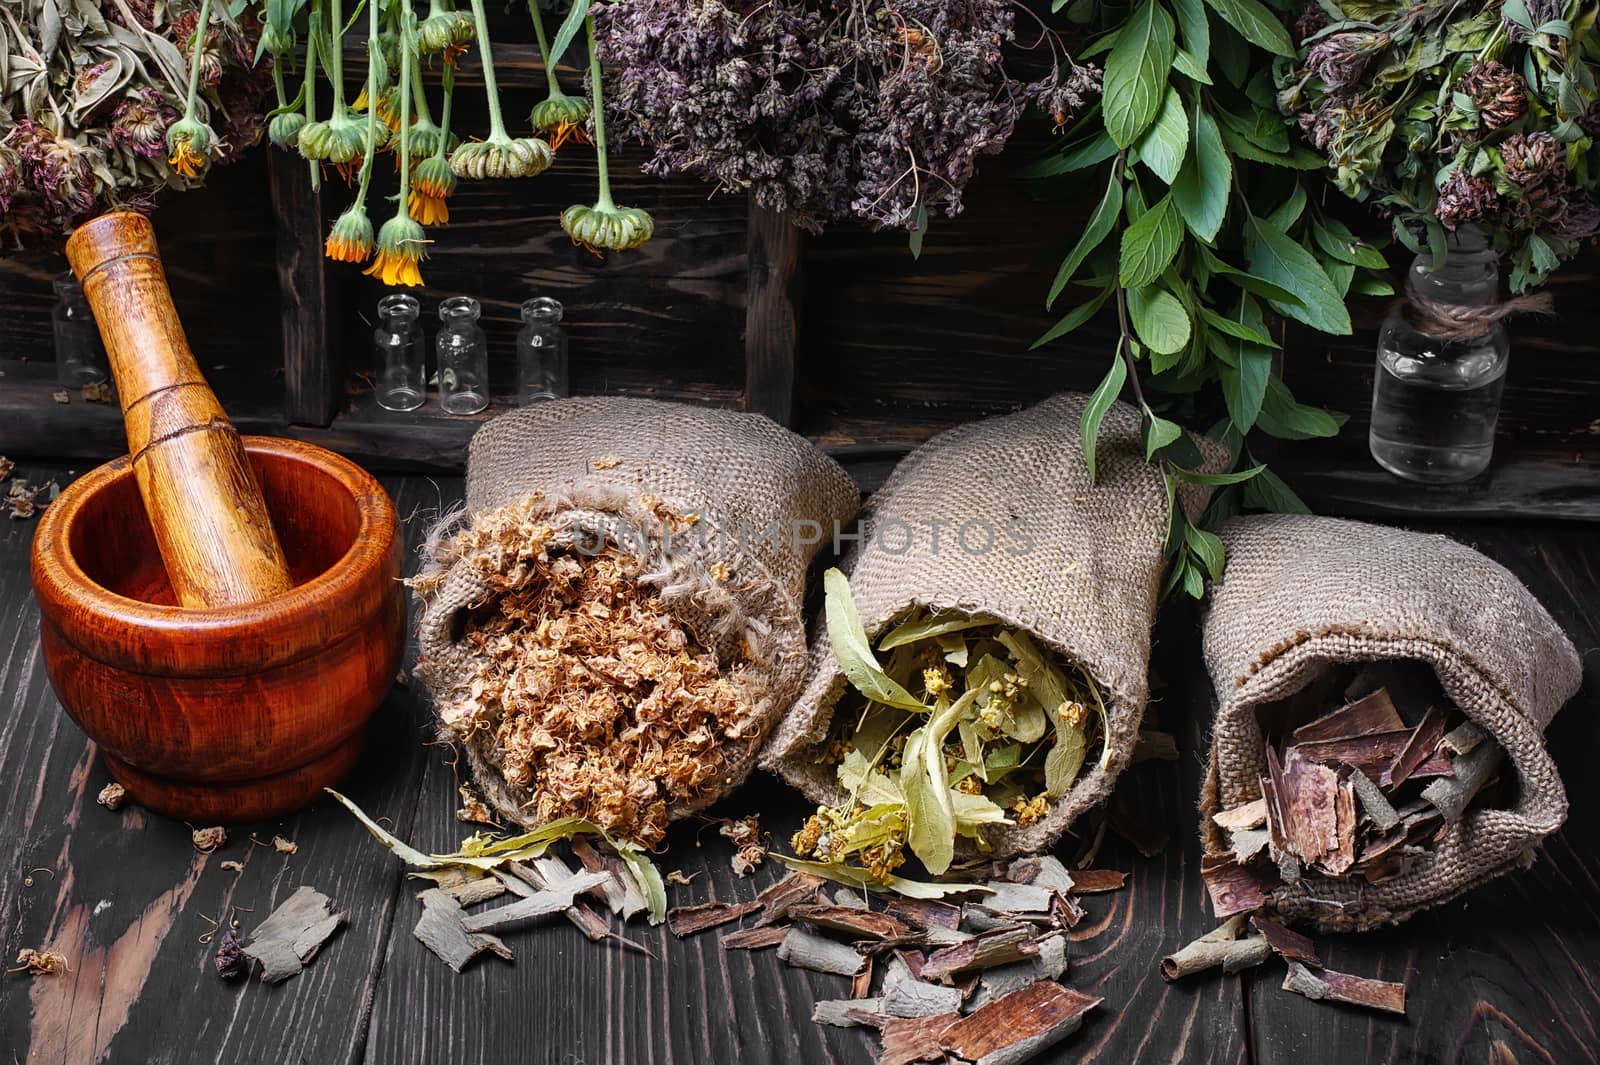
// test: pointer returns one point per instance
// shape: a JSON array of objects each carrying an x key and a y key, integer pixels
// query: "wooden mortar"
[{"x": 244, "y": 706}]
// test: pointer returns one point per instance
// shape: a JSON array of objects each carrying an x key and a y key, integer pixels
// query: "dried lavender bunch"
[
  {"x": 1445, "y": 116},
  {"x": 825, "y": 109},
  {"x": 88, "y": 101}
]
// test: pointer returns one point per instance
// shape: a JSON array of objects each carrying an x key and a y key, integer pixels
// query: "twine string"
[{"x": 1454, "y": 321}]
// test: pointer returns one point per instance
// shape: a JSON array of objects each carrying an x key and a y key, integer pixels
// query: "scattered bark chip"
[{"x": 288, "y": 939}]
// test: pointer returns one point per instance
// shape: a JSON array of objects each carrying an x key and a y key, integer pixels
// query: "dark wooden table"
[{"x": 1506, "y": 975}]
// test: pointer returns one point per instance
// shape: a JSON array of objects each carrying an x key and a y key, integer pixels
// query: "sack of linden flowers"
[{"x": 979, "y": 678}]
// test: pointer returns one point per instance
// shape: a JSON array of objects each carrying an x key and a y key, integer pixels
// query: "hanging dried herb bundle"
[
  {"x": 826, "y": 109},
  {"x": 1444, "y": 115},
  {"x": 89, "y": 90},
  {"x": 966, "y": 723},
  {"x": 595, "y": 700}
]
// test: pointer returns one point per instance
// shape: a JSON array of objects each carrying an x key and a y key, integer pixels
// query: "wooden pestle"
[{"x": 210, "y": 520}]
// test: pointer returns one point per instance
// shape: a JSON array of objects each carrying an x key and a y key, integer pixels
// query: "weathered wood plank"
[
  {"x": 313, "y": 371},
  {"x": 772, "y": 311}
]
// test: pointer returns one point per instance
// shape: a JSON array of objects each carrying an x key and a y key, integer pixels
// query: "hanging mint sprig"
[
  {"x": 189, "y": 139},
  {"x": 559, "y": 115},
  {"x": 401, "y": 240},
  {"x": 500, "y": 156},
  {"x": 604, "y": 225}
]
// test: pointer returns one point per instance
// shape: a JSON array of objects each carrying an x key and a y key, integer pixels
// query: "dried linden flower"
[
  {"x": 111, "y": 796},
  {"x": 207, "y": 840}
]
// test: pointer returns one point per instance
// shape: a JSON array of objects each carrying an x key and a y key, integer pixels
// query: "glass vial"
[
  {"x": 463, "y": 357},
  {"x": 541, "y": 352},
  {"x": 80, "y": 354},
  {"x": 400, "y": 354},
  {"x": 1435, "y": 401}
]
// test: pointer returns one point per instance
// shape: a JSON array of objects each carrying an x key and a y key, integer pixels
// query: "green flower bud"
[
  {"x": 523, "y": 157},
  {"x": 284, "y": 130},
  {"x": 277, "y": 41},
  {"x": 613, "y": 228},
  {"x": 558, "y": 111}
]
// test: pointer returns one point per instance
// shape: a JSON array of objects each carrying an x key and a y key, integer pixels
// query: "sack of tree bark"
[
  {"x": 613, "y": 623},
  {"x": 1010, "y": 596},
  {"x": 1379, "y": 741}
]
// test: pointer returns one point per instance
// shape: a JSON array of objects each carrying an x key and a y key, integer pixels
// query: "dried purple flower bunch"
[
  {"x": 89, "y": 97},
  {"x": 1446, "y": 116},
  {"x": 826, "y": 109}
]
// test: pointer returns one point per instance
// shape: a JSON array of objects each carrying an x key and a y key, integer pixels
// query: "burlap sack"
[
  {"x": 1085, "y": 583},
  {"x": 766, "y": 499},
  {"x": 1302, "y": 594}
]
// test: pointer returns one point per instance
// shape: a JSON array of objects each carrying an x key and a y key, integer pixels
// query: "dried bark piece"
[
  {"x": 996, "y": 983},
  {"x": 1374, "y": 803},
  {"x": 1233, "y": 888},
  {"x": 1464, "y": 738},
  {"x": 595, "y": 927},
  {"x": 1373, "y": 753},
  {"x": 688, "y": 920},
  {"x": 1311, "y": 827},
  {"x": 1373, "y": 712},
  {"x": 292, "y": 934},
  {"x": 1452, "y": 795},
  {"x": 1422, "y": 745},
  {"x": 861, "y": 985},
  {"x": 1219, "y": 947},
  {"x": 1344, "y": 811},
  {"x": 556, "y": 898},
  {"x": 1065, "y": 911},
  {"x": 1342, "y": 987},
  {"x": 924, "y": 913},
  {"x": 1098, "y": 881},
  {"x": 1248, "y": 815},
  {"x": 845, "y": 1012},
  {"x": 1000, "y": 947},
  {"x": 1285, "y": 942},
  {"x": 1055, "y": 876},
  {"x": 1022, "y": 870},
  {"x": 619, "y": 889},
  {"x": 1018, "y": 1026},
  {"x": 862, "y": 923},
  {"x": 758, "y": 938},
  {"x": 916, "y": 998},
  {"x": 793, "y": 890},
  {"x": 440, "y": 930},
  {"x": 911, "y": 1039},
  {"x": 1006, "y": 897},
  {"x": 1246, "y": 843},
  {"x": 803, "y": 950}
]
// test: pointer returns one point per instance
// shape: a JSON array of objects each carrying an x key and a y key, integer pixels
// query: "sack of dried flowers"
[
  {"x": 1379, "y": 743},
  {"x": 614, "y": 622},
  {"x": 996, "y": 521}
]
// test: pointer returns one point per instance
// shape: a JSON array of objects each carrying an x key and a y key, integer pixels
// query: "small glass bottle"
[
  {"x": 541, "y": 352},
  {"x": 463, "y": 357},
  {"x": 1435, "y": 401},
  {"x": 401, "y": 356},
  {"x": 80, "y": 354}
]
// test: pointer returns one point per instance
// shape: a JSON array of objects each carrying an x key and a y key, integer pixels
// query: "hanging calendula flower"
[
  {"x": 284, "y": 129},
  {"x": 401, "y": 240},
  {"x": 188, "y": 139},
  {"x": 350, "y": 240},
  {"x": 342, "y": 137},
  {"x": 499, "y": 156},
  {"x": 558, "y": 115},
  {"x": 427, "y": 139},
  {"x": 434, "y": 182},
  {"x": 443, "y": 30},
  {"x": 604, "y": 225}
]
